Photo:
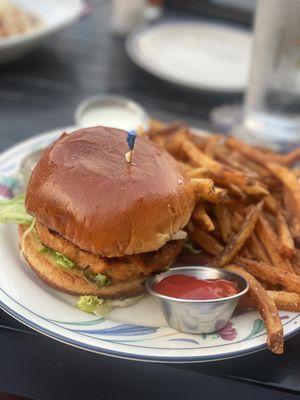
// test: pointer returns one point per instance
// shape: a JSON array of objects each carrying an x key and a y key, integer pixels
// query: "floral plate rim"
[{"x": 59, "y": 331}]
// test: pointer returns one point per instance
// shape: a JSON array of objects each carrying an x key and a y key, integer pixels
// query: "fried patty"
[
  {"x": 71, "y": 281},
  {"x": 117, "y": 269}
]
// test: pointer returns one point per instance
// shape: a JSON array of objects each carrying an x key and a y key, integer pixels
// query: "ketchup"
[{"x": 192, "y": 288}]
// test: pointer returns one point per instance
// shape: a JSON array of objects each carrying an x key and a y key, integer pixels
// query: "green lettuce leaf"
[
  {"x": 13, "y": 211},
  {"x": 94, "y": 305},
  {"x": 59, "y": 258},
  {"x": 190, "y": 247},
  {"x": 99, "y": 279}
]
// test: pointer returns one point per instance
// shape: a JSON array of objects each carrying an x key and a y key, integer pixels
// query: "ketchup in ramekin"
[{"x": 192, "y": 288}]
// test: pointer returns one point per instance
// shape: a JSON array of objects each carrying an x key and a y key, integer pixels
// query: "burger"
[{"x": 102, "y": 225}]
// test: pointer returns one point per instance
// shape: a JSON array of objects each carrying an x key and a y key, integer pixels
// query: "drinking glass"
[{"x": 270, "y": 115}]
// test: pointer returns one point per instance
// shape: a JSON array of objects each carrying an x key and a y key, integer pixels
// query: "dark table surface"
[{"x": 39, "y": 93}]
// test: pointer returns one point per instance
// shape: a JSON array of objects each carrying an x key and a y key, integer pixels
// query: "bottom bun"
[{"x": 71, "y": 280}]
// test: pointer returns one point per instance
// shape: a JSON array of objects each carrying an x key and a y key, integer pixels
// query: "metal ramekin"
[{"x": 198, "y": 316}]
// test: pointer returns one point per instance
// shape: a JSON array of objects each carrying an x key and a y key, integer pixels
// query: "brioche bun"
[{"x": 83, "y": 189}]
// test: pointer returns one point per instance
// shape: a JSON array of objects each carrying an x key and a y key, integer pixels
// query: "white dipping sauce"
[{"x": 111, "y": 116}]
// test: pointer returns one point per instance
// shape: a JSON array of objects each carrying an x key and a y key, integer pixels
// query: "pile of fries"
[{"x": 247, "y": 217}]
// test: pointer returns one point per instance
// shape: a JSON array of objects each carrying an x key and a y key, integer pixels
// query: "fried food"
[
  {"x": 206, "y": 241},
  {"x": 287, "y": 246},
  {"x": 240, "y": 238},
  {"x": 271, "y": 243},
  {"x": 206, "y": 190},
  {"x": 266, "y": 307},
  {"x": 284, "y": 301},
  {"x": 268, "y": 273},
  {"x": 224, "y": 221},
  {"x": 117, "y": 269},
  {"x": 201, "y": 218},
  {"x": 232, "y": 179}
]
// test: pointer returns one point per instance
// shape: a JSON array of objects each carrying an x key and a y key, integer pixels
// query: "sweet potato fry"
[
  {"x": 267, "y": 309},
  {"x": 224, "y": 221},
  {"x": 287, "y": 246},
  {"x": 270, "y": 242},
  {"x": 206, "y": 241},
  {"x": 202, "y": 219},
  {"x": 268, "y": 273},
  {"x": 206, "y": 190},
  {"x": 240, "y": 238}
]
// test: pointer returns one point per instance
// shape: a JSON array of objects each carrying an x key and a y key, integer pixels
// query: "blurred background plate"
[
  {"x": 198, "y": 55},
  {"x": 54, "y": 15}
]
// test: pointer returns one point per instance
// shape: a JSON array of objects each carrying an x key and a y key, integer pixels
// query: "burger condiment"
[{"x": 191, "y": 288}]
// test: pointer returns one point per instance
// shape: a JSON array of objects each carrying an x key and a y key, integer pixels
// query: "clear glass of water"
[{"x": 271, "y": 115}]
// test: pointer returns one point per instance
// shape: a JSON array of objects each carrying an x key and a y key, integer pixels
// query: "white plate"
[
  {"x": 55, "y": 15},
  {"x": 197, "y": 55},
  {"x": 138, "y": 332}
]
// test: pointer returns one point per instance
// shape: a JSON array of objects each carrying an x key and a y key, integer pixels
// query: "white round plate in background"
[
  {"x": 198, "y": 55},
  {"x": 54, "y": 14}
]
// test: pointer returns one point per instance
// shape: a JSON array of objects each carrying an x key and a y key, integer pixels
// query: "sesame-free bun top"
[{"x": 83, "y": 189}]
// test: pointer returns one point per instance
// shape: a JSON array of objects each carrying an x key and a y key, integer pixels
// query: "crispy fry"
[
  {"x": 287, "y": 246},
  {"x": 284, "y": 301},
  {"x": 201, "y": 218},
  {"x": 200, "y": 172},
  {"x": 206, "y": 241},
  {"x": 229, "y": 177},
  {"x": 291, "y": 184},
  {"x": 211, "y": 143},
  {"x": 270, "y": 203},
  {"x": 236, "y": 191},
  {"x": 257, "y": 249},
  {"x": 224, "y": 221},
  {"x": 255, "y": 190},
  {"x": 240, "y": 238},
  {"x": 221, "y": 173},
  {"x": 236, "y": 221},
  {"x": 252, "y": 153},
  {"x": 267, "y": 309},
  {"x": 206, "y": 190},
  {"x": 269, "y": 273},
  {"x": 295, "y": 229},
  {"x": 295, "y": 260},
  {"x": 270, "y": 242}
]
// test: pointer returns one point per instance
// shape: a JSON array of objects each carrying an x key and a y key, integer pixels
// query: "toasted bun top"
[{"x": 84, "y": 189}]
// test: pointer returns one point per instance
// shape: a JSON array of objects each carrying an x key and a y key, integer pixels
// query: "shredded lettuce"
[
  {"x": 99, "y": 279},
  {"x": 94, "y": 305},
  {"x": 101, "y": 307},
  {"x": 13, "y": 211},
  {"x": 189, "y": 246},
  {"x": 59, "y": 258}
]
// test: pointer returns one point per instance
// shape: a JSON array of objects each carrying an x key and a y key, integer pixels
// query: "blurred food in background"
[{"x": 14, "y": 20}]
